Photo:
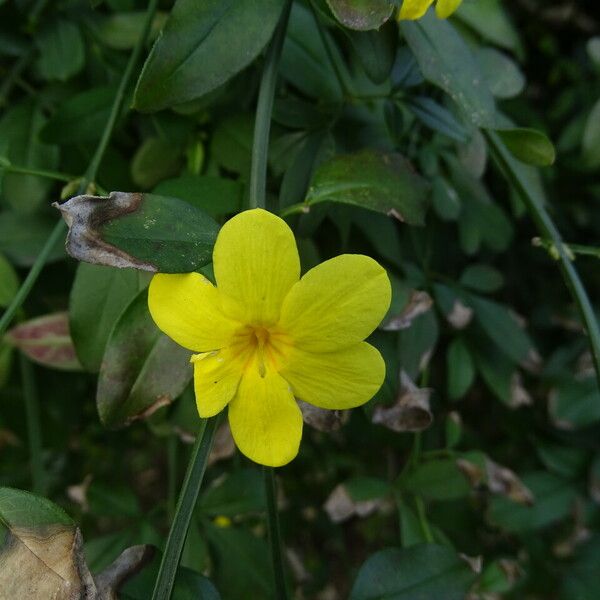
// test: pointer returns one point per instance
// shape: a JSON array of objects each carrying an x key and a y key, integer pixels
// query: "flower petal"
[
  {"x": 256, "y": 263},
  {"x": 414, "y": 9},
  {"x": 265, "y": 420},
  {"x": 337, "y": 303},
  {"x": 335, "y": 380},
  {"x": 444, "y": 8},
  {"x": 216, "y": 379},
  {"x": 188, "y": 309}
]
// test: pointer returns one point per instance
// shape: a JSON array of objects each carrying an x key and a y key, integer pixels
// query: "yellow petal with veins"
[
  {"x": 335, "y": 380},
  {"x": 188, "y": 309},
  {"x": 256, "y": 263},
  {"x": 336, "y": 304},
  {"x": 265, "y": 420}
]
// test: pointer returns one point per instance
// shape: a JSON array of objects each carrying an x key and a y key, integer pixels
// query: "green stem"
[
  {"x": 171, "y": 474},
  {"x": 274, "y": 534},
  {"x": 32, "y": 410},
  {"x": 295, "y": 209},
  {"x": 264, "y": 109},
  {"x": 423, "y": 519},
  {"x": 185, "y": 507},
  {"x": 57, "y": 176},
  {"x": 32, "y": 276},
  {"x": 548, "y": 230},
  {"x": 89, "y": 176},
  {"x": 11, "y": 78}
]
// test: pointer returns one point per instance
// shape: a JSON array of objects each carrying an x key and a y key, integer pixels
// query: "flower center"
[{"x": 262, "y": 347}]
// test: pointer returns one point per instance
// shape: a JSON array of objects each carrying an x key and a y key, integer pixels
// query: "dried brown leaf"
[{"x": 419, "y": 303}]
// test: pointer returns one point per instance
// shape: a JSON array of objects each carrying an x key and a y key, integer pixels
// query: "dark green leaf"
[
  {"x": 361, "y": 14},
  {"x": 437, "y": 118},
  {"x": 241, "y": 492},
  {"x": 201, "y": 47},
  {"x": 61, "y": 50},
  {"x": 482, "y": 278},
  {"x": 9, "y": 282},
  {"x": 575, "y": 403},
  {"x": 98, "y": 296},
  {"x": 384, "y": 183},
  {"x": 447, "y": 62},
  {"x": 376, "y": 50},
  {"x": 461, "y": 370},
  {"x": 424, "y": 572},
  {"x": 437, "y": 480},
  {"x": 142, "y": 369},
  {"x": 529, "y": 146}
]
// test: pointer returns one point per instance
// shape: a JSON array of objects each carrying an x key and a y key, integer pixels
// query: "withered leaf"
[
  {"x": 322, "y": 419},
  {"x": 460, "y": 316},
  {"x": 47, "y": 341},
  {"x": 419, "y": 303},
  {"x": 340, "y": 506},
  {"x": 411, "y": 411},
  {"x": 143, "y": 231}
]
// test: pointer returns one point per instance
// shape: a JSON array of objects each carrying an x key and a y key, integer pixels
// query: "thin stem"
[
  {"x": 274, "y": 534},
  {"x": 32, "y": 411},
  {"x": 171, "y": 474},
  {"x": 264, "y": 109},
  {"x": 548, "y": 229},
  {"x": 12, "y": 76},
  {"x": 185, "y": 507},
  {"x": 32, "y": 276},
  {"x": 423, "y": 519},
  {"x": 89, "y": 176},
  {"x": 56, "y": 175}
]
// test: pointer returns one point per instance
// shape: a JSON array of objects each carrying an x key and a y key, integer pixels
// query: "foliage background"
[{"x": 494, "y": 333}]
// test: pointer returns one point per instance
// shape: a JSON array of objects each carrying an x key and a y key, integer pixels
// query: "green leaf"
[
  {"x": 361, "y": 14},
  {"x": 143, "y": 231},
  {"x": 61, "y": 48},
  {"x": 490, "y": 20},
  {"x": 482, "y": 278},
  {"x": 591, "y": 137},
  {"x": 46, "y": 341},
  {"x": 98, "y": 296},
  {"x": 9, "y": 282},
  {"x": 461, "y": 370},
  {"x": 502, "y": 328},
  {"x": 20, "y": 129},
  {"x": 423, "y": 572},
  {"x": 22, "y": 509},
  {"x": 142, "y": 369},
  {"x": 502, "y": 74},
  {"x": 231, "y": 144},
  {"x": 241, "y": 492},
  {"x": 554, "y": 499},
  {"x": 121, "y": 30},
  {"x": 216, "y": 196},
  {"x": 201, "y": 47},
  {"x": 575, "y": 403},
  {"x": 437, "y": 118},
  {"x": 446, "y": 61},
  {"x": 305, "y": 62},
  {"x": 381, "y": 182},
  {"x": 439, "y": 479},
  {"x": 156, "y": 159},
  {"x": 529, "y": 146},
  {"x": 376, "y": 50},
  {"x": 80, "y": 118}
]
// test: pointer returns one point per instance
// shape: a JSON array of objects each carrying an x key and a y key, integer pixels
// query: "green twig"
[
  {"x": 183, "y": 512},
  {"x": 423, "y": 519},
  {"x": 89, "y": 176},
  {"x": 55, "y": 175},
  {"x": 548, "y": 230},
  {"x": 34, "y": 432},
  {"x": 171, "y": 475},
  {"x": 274, "y": 534},
  {"x": 264, "y": 109}
]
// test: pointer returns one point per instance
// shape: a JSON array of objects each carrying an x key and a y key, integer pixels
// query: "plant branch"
[
  {"x": 185, "y": 507},
  {"x": 548, "y": 230},
  {"x": 264, "y": 110},
  {"x": 274, "y": 534}
]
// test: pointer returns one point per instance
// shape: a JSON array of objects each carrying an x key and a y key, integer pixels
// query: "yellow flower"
[
  {"x": 415, "y": 9},
  {"x": 264, "y": 336}
]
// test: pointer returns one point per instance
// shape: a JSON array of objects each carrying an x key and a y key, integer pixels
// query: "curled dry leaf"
[
  {"x": 47, "y": 341},
  {"x": 321, "y": 419},
  {"x": 474, "y": 562},
  {"x": 340, "y": 506},
  {"x": 411, "y": 412},
  {"x": 419, "y": 303},
  {"x": 78, "y": 493},
  {"x": 460, "y": 316}
]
